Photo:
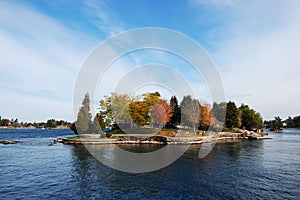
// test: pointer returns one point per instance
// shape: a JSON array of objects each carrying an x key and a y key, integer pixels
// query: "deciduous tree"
[
  {"x": 190, "y": 109},
  {"x": 161, "y": 112}
]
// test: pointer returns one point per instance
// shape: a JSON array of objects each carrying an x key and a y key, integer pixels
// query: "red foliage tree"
[{"x": 161, "y": 112}]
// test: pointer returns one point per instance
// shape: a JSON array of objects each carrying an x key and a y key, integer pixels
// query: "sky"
[{"x": 43, "y": 45}]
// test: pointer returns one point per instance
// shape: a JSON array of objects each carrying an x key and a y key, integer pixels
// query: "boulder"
[{"x": 9, "y": 142}]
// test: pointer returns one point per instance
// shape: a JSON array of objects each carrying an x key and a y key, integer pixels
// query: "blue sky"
[{"x": 254, "y": 44}]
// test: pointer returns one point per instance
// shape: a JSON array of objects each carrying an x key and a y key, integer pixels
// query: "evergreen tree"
[
  {"x": 232, "y": 116},
  {"x": 83, "y": 123},
  {"x": 176, "y": 112},
  {"x": 219, "y": 111},
  {"x": 250, "y": 118}
]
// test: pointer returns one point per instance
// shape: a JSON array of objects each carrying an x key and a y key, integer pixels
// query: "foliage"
[
  {"x": 115, "y": 108},
  {"x": 83, "y": 123},
  {"x": 290, "y": 122},
  {"x": 250, "y": 119},
  {"x": 176, "y": 113},
  {"x": 206, "y": 117},
  {"x": 190, "y": 110},
  {"x": 140, "y": 108},
  {"x": 161, "y": 112},
  {"x": 232, "y": 116},
  {"x": 219, "y": 111},
  {"x": 278, "y": 123}
]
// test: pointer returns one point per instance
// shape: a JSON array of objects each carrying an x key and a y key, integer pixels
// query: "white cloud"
[
  {"x": 39, "y": 60},
  {"x": 103, "y": 16},
  {"x": 258, "y": 56}
]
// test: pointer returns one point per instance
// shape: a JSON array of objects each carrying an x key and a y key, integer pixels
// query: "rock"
[
  {"x": 59, "y": 140},
  {"x": 252, "y": 138},
  {"x": 9, "y": 142}
]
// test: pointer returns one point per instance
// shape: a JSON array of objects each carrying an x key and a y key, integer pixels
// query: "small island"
[{"x": 150, "y": 119}]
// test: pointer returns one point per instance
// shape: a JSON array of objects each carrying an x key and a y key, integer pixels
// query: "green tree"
[
  {"x": 250, "y": 118},
  {"x": 176, "y": 112},
  {"x": 277, "y": 123},
  {"x": 83, "y": 122},
  {"x": 232, "y": 116},
  {"x": 290, "y": 123},
  {"x": 219, "y": 111}
]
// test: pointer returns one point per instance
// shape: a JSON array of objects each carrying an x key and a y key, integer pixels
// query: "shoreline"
[{"x": 158, "y": 139}]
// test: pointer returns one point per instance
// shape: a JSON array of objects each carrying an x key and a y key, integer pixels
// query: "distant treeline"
[
  {"x": 150, "y": 109},
  {"x": 287, "y": 123},
  {"x": 51, "y": 123}
]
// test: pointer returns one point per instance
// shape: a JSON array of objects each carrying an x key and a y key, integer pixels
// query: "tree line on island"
[
  {"x": 277, "y": 123},
  {"x": 122, "y": 111}
]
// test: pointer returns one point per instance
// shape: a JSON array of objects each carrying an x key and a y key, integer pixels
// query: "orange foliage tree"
[
  {"x": 161, "y": 112},
  {"x": 206, "y": 117}
]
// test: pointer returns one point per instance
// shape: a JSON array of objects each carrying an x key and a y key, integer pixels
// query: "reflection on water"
[{"x": 235, "y": 170}]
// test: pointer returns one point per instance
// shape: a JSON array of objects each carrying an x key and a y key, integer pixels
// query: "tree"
[
  {"x": 277, "y": 123},
  {"x": 176, "y": 112},
  {"x": 250, "y": 118},
  {"x": 161, "y": 112},
  {"x": 51, "y": 123},
  {"x": 98, "y": 123},
  {"x": 190, "y": 109},
  {"x": 139, "y": 112},
  {"x": 232, "y": 116},
  {"x": 290, "y": 123},
  {"x": 140, "y": 108},
  {"x": 296, "y": 121},
  {"x": 206, "y": 117},
  {"x": 219, "y": 111},
  {"x": 83, "y": 123}
]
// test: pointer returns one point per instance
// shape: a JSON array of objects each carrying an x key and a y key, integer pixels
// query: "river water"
[{"x": 268, "y": 169}]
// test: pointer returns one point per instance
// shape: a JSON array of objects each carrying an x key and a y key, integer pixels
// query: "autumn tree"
[
  {"x": 83, "y": 122},
  {"x": 206, "y": 117},
  {"x": 190, "y": 109},
  {"x": 140, "y": 108},
  {"x": 161, "y": 112},
  {"x": 139, "y": 112}
]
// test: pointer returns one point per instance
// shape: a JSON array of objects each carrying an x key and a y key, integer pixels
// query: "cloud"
[
  {"x": 258, "y": 55},
  {"x": 40, "y": 58},
  {"x": 103, "y": 17}
]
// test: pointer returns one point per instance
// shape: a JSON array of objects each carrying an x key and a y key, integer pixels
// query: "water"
[{"x": 268, "y": 169}]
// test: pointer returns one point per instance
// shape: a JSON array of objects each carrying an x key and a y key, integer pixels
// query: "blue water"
[{"x": 268, "y": 169}]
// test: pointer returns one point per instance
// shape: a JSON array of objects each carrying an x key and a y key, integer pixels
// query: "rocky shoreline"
[{"x": 163, "y": 140}]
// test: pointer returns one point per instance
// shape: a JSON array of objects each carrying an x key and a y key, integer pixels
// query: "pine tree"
[
  {"x": 176, "y": 112},
  {"x": 232, "y": 116},
  {"x": 83, "y": 123}
]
